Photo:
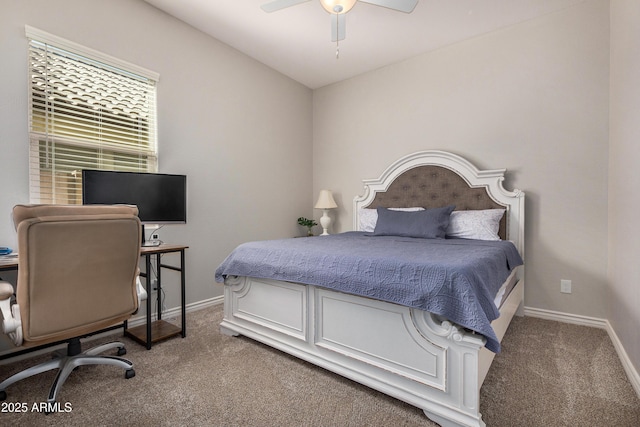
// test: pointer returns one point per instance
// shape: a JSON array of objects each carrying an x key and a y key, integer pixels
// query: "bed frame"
[{"x": 404, "y": 352}]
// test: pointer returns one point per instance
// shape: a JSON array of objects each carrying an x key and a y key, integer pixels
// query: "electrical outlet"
[
  {"x": 565, "y": 286},
  {"x": 155, "y": 236}
]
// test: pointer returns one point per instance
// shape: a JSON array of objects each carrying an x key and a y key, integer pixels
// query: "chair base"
[{"x": 66, "y": 363}]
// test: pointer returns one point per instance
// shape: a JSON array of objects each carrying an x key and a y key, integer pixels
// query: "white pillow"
[
  {"x": 367, "y": 218},
  {"x": 479, "y": 225}
]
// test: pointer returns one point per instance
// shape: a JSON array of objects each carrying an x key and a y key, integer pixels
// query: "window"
[{"x": 86, "y": 111}]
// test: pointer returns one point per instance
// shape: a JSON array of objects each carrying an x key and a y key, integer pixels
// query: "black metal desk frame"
[{"x": 159, "y": 329}]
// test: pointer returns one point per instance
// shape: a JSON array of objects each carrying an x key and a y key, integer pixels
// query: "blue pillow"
[{"x": 427, "y": 224}]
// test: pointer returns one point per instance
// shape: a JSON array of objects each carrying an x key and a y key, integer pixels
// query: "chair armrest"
[
  {"x": 6, "y": 290},
  {"x": 142, "y": 294},
  {"x": 11, "y": 323}
]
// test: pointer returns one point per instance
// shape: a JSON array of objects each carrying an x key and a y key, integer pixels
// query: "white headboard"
[{"x": 424, "y": 179}]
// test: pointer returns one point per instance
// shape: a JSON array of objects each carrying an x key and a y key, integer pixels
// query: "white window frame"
[{"x": 121, "y": 67}]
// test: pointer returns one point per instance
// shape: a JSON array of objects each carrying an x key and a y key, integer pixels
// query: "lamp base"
[{"x": 325, "y": 222}]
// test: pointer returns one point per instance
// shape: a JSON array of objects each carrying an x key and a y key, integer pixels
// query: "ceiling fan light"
[{"x": 337, "y": 6}]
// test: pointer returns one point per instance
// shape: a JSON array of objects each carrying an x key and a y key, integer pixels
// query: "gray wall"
[
  {"x": 624, "y": 176},
  {"x": 532, "y": 98},
  {"x": 238, "y": 129}
]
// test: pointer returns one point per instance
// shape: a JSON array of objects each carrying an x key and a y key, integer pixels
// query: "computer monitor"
[{"x": 160, "y": 198}]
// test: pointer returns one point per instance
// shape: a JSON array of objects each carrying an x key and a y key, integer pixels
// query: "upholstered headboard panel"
[{"x": 436, "y": 186}]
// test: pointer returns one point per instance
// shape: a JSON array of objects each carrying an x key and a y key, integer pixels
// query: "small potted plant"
[{"x": 309, "y": 223}]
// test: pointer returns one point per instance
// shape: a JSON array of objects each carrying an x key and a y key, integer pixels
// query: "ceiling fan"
[{"x": 338, "y": 9}]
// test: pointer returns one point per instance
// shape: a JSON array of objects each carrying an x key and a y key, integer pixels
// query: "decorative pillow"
[
  {"x": 479, "y": 225},
  {"x": 426, "y": 224},
  {"x": 368, "y": 217}
]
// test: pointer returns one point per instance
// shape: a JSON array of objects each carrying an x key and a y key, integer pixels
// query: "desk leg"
[
  {"x": 159, "y": 286},
  {"x": 147, "y": 259},
  {"x": 182, "y": 289}
]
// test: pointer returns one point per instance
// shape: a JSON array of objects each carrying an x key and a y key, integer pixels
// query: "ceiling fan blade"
[
  {"x": 338, "y": 26},
  {"x": 405, "y": 6},
  {"x": 280, "y": 4}
]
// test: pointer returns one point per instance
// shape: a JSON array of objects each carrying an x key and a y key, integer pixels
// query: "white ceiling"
[{"x": 296, "y": 40}]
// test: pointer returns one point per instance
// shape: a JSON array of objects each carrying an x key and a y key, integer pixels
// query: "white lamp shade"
[{"x": 325, "y": 200}]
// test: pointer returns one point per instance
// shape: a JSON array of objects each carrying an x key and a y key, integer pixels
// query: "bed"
[{"x": 409, "y": 351}]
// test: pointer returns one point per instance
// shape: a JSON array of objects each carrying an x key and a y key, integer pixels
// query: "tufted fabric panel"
[{"x": 435, "y": 187}]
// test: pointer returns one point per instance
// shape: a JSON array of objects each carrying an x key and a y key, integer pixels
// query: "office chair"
[{"x": 77, "y": 274}]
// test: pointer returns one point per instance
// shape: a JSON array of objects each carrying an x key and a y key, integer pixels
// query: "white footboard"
[{"x": 405, "y": 353}]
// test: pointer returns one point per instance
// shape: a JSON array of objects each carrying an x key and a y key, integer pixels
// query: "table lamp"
[{"x": 325, "y": 202}]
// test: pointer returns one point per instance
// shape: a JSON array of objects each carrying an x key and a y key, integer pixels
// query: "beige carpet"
[{"x": 548, "y": 374}]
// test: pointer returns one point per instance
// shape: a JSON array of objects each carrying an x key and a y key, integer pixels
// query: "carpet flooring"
[{"x": 548, "y": 374}]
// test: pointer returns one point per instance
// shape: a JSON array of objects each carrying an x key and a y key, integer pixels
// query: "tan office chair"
[{"x": 77, "y": 273}]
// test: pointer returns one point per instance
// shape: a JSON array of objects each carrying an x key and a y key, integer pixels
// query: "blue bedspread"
[{"x": 454, "y": 278}]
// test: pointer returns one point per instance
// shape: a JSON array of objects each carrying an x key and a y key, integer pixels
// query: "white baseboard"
[
  {"x": 558, "y": 316},
  {"x": 632, "y": 372}
]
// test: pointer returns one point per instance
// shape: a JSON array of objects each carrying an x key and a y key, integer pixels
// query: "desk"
[
  {"x": 155, "y": 331},
  {"x": 8, "y": 263},
  {"x": 152, "y": 331}
]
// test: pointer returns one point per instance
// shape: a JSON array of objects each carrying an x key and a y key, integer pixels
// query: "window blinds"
[{"x": 85, "y": 114}]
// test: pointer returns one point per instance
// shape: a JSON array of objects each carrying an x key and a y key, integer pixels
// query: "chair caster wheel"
[
  {"x": 122, "y": 351},
  {"x": 129, "y": 373},
  {"x": 3, "y": 395}
]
